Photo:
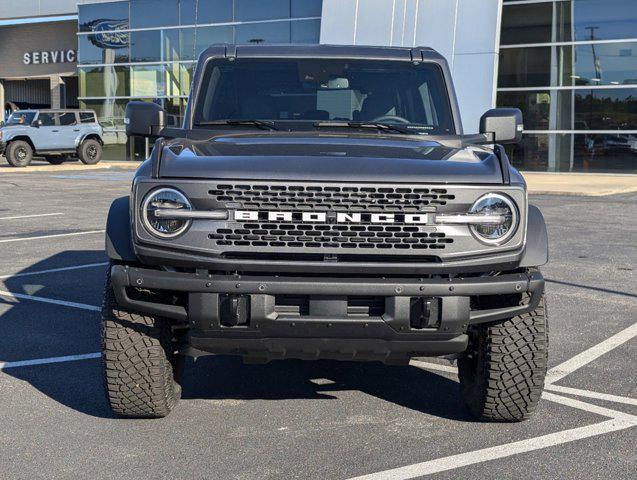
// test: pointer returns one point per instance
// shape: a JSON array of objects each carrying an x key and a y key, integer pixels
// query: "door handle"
[
  {"x": 76, "y": 129},
  {"x": 55, "y": 130}
]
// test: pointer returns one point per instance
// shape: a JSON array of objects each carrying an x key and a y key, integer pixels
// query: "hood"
[{"x": 329, "y": 157}]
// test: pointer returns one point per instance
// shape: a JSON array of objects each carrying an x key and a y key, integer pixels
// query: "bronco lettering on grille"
[{"x": 330, "y": 217}]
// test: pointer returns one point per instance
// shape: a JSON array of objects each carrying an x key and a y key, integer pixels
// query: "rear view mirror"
[
  {"x": 503, "y": 125},
  {"x": 144, "y": 119}
]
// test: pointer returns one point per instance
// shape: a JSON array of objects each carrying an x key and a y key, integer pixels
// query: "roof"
[{"x": 323, "y": 51}]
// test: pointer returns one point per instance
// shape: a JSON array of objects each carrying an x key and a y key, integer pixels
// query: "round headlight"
[
  {"x": 165, "y": 199},
  {"x": 503, "y": 223}
]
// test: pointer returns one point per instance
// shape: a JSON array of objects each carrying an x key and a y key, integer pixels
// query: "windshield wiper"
[
  {"x": 375, "y": 125},
  {"x": 262, "y": 124}
]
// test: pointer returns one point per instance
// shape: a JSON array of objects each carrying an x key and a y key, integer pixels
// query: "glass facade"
[
  {"x": 571, "y": 67},
  {"x": 147, "y": 49}
]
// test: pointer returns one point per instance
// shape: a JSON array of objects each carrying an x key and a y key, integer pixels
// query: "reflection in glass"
[
  {"x": 153, "y": 13},
  {"x": 92, "y": 51},
  {"x": 606, "y": 109},
  {"x": 247, "y": 10},
  {"x": 103, "y": 16},
  {"x": 542, "y": 109},
  {"x": 145, "y": 46},
  {"x": 527, "y": 24},
  {"x": 273, "y": 32},
  {"x": 148, "y": 81},
  {"x": 215, "y": 11},
  {"x": 104, "y": 81},
  {"x": 305, "y": 31},
  {"x": 306, "y": 8},
  {"x": 206, "y": 36},
  {"x": 600, "y": 64},
  {"x": 525, "y": 67}
]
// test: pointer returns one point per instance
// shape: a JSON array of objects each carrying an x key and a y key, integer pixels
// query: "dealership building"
[{"x": 569, "y": 65}]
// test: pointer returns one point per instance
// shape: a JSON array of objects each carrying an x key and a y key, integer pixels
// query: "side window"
[
  {"x": 47, "y": 119},
  {"x": 67, "y": 119},
  {"x": 87, "y": 117}
]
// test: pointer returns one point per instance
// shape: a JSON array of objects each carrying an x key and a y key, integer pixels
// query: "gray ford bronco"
[
  {"x": 322, "y": 202},
  {"x": 57, "y": 135}
]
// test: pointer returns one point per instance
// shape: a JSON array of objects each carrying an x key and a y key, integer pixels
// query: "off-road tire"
[
  {"x": 137, "y": 360},
  {"x": 19, "y": 153},
  {"x": 90, "y": 152},
  {"x": 56, "y": 159},
  {"x": 502, "y": 373}
]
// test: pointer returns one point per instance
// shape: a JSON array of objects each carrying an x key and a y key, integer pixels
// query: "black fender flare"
[
  {"x": 119, "y": 243},
  {"x": 536, "y": 251}
]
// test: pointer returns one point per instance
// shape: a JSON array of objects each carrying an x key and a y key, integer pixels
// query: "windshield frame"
[{"x": 205, "y": 65}]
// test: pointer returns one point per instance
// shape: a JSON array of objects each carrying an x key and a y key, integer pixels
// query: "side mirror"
[
  {"x": 504, "y": 125},
  {"x": 144, "y": 119},
  {"x": 36, "y": 123}
]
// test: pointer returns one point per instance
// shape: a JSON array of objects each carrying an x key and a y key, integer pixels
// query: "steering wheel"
[{"x": 390, "y": 118}]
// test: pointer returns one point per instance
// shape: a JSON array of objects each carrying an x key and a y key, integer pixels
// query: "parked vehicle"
[
  {"x": 57, "y": 135},
  {"x": 322, "y": 202}
]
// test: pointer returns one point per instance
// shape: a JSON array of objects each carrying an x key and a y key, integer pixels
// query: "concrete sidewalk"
[{"x": 583, "y": 184}]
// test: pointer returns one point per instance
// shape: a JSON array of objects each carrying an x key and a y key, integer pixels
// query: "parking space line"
[
  {"x": 587, "y": 356},
  {"x": 44, "y": 361},
  {"x": 34, "y": 298},
  {"x": 590, "y": 408},
  {"x": 590, "y": 394},
  {"x": 24, "y": 239},
  {"x": 54, "y": 270},
  {"x": 17, "y": 217},
  {"x": 501, "y": 451}
]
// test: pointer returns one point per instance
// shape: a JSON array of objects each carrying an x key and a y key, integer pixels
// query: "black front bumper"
[{"x": 327, "y": 330}]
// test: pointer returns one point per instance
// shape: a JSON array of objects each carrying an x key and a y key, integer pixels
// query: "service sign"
[{"x": 49, "y": 56}]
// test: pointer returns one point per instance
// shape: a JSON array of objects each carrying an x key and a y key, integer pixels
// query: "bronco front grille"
[
  {"x": 297, "y": 235},
  {"x": 327, "y": 197}
]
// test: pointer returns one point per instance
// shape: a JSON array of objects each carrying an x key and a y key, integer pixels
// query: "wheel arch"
[
  {"x": 24, "y": 138},
  {"x": 91, "y": 136},
  {"x": 536, "y": 251},
  {"x": 119, "y": 242}
]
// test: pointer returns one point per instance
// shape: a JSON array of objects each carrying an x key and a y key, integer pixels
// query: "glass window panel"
[
  {"x": 206, "y": 36},
  {"x": 146, "y": 46},
  {"x": 187, "y": 44},
  {"x": 271, "y": 32},
  {"x": 67, "y": 119},
  {"x": 526, "y": 23},
  {"x": 606, "y": 109},
  {"x": 46, "y": 119},
  {"x": 600, "y": 64},
  {"x": 597, "y": 19},
  {"x": 260, "y": 10},
  {"x": 306, "y": 8},
  {"x": 605, "y": 153},
  {"x": 153, "y": 13},
  {"x": 217, "y": 11},
  {"x": 170, "y": 45},
  {"x": 305, "y": 31},
  {"x": 176, "y": 108},
  {"x": 525, "y": 67},
  {"x": 186, "y": 73},
  {"x": 103, "y": 16},
  {"x": 96, "y": 49},
  {"x": 104, "y": 81},
  {"x": 148, "y": 81},
  {"x": 188, "y": 12},
  {"x": 87, "y": 117},
  {"x": 541, "y": 110}
]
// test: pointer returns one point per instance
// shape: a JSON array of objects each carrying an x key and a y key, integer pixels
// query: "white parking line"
[
  {"x": 24, "y": 239},
  {"x": 22, "y": 296},
  {"x": 587, "y": 356},
  {"x": 589, "y": 394},
  {"x": 54, "y": 270},
  {"x": 590, "y": 408},
  {"x": 17, "y": 217},
  {"x": 501, "y": 451},
  {"x": 42, "y": 361}
]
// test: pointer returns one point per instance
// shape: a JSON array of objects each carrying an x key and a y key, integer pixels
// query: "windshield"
[
  {"x": 20, "y": 118},
  {"x": 319, "y": 90}
]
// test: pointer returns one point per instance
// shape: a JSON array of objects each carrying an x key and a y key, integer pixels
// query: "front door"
[
  {"x": 45, "y": 136},
  {"x": 69, "y": 130}
]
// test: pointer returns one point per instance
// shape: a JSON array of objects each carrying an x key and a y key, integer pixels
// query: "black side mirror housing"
[
  {"x": 144, "y": 119},
  {"x": 504, "y": 125},
  {"x": 36, "y": 123}
]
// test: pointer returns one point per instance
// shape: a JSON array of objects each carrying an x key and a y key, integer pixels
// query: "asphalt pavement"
[{"x": 303, "y": 420}]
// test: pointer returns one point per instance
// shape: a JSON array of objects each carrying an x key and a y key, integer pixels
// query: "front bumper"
[
  {"x": 3, "y": 147},
  {"x": 327, "y": 330}
]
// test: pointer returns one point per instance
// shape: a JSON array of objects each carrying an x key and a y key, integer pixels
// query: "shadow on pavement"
[{"x": 35, "y": 330}]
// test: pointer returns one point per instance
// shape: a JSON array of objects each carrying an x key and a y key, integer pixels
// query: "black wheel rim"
[
  {"x": 21, "y": 153},
  {"x": 91, "y": 151}
]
